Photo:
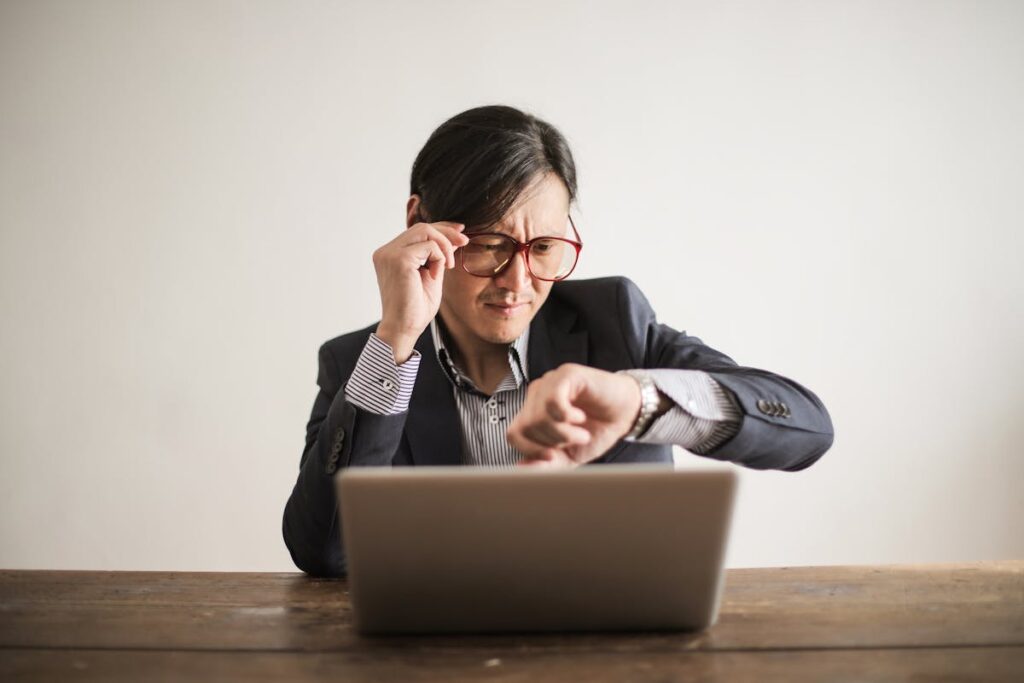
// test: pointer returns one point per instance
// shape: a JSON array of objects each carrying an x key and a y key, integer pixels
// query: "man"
[{"x": 486, "y": 355}]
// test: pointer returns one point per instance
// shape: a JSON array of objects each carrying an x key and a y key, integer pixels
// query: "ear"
[{"x": 412, "y": 211}]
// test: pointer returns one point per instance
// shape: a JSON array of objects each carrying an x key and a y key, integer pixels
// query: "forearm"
[
  {"x": 747, "y": 416},
  {"x": 782, "y": 425},
  {"x": 310, "y": 525},
  {"x": 341, "y": 433},
  {"x": 351, "y": 438},
  {"x": 785, "y": 426},
  {"x": 695, "y": 413}
]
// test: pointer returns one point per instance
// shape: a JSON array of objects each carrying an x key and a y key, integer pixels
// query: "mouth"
[{"x": 506, "y": 309}]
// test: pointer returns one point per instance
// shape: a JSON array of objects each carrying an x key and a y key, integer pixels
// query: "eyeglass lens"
[{"x": 549, "y": 259}]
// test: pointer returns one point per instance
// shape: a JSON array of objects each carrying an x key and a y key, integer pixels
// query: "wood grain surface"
[{"x": 939, "y": 622}]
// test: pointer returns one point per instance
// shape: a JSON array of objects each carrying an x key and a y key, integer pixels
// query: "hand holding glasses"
[{"x": 410, "y": 269}]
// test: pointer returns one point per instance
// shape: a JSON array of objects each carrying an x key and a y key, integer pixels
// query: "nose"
[{"x": 516, "y": 276}]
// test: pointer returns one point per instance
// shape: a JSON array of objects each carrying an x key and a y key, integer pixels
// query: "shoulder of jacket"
[
  {"x": 600, "y": 290},
  {"x": 348, "y": 346},
  {"x": 601, "y": 295}
]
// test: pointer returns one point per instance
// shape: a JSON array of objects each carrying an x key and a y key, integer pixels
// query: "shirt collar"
[{"x": 517, "y": 353}]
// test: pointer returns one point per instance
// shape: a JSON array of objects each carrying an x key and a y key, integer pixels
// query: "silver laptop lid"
[{"x": 474, "y": 549}]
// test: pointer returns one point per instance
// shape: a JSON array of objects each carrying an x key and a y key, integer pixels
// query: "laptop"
[{"x": 467, "y": 549}]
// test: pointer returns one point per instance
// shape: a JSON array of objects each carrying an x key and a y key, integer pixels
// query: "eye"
[
  {"x": 544, "y": 247},
  {"x": 484, "y": 245}
]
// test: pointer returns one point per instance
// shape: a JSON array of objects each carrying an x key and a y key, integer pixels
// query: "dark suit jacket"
[{"x": 604, "y": 323}]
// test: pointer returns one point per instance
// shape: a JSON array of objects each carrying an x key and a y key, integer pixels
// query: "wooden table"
[{"x": 948, "y": 622}]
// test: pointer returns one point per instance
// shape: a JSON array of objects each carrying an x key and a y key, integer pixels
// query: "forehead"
[
  {"x": 524, "y": 231},
  {"x": 543, "y": 210}
]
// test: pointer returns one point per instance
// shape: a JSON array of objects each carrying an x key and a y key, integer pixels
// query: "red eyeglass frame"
[{"x": 524, "y": 249}]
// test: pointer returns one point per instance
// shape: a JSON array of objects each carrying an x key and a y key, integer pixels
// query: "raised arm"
[{"x": 362, "y": 425}]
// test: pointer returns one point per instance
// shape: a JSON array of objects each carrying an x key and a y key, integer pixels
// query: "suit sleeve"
[
  {"x": 703, "y": 414},
  {"x": 339, "y": 434},
  {"x": 783, "y": 425}
]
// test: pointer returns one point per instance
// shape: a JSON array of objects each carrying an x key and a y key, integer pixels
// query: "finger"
[
  {"x": 549, "y": 459},
  {"x": 435, "y": 268},
  {"x": 441, "y": 224},
  {"x": 442, "y": 240},
  {"x": 540, "y": 457},
  {"x": 451, "y": 230},
  {"x": 424, "y": 253},
  {"x": 535, "y": 463},
  {"x": 528, "y": 447},
  {"x": 423, "y": 232},
  {"x": 560, "y": 408},
  {"x": 557, "y": 434},
  {"x": 515, "y": 438},
  {"x": 455, "y": 237}
]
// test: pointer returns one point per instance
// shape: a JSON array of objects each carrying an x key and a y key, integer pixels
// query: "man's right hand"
[{"x": 410, "y": 270}]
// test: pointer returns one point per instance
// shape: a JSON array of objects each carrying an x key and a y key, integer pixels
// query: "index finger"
[{"x": 450, "y": 229}]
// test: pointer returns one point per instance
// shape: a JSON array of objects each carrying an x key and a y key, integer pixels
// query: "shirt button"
[
  {"x": 493, "y": 419},
  {"x": 492, "y": 404},
  {"x": 387, "y": 384}
]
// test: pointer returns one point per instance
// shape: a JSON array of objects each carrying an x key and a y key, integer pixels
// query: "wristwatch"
[{"x": 649, "y": 401}]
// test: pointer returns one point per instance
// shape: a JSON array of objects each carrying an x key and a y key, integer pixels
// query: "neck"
[{"x": 485, "y": 363}]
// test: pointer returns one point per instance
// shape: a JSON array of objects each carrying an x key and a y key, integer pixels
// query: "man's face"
[{"x": 497, "y": 310}]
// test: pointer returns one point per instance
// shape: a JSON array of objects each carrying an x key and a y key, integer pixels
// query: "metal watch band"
[{"x": 648, "y": 403}]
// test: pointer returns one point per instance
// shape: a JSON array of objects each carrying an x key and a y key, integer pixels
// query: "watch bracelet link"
[{"x": 649, "y": 401}]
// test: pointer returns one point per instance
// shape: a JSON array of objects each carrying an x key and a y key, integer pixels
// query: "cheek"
[
  {"x": 541, "y": 289},
  {"x": 460, "y": 289}
]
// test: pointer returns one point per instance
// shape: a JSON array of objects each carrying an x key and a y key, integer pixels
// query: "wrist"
[
  {"x": 649, "y": 403},
  {"x": 401, "y": 344}
]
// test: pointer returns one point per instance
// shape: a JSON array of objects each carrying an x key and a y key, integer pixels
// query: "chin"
[{"x": 502, "y": 334}]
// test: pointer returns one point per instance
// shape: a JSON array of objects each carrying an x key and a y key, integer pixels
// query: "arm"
[
  {"x": 363, "y": 425},
  {"x": 782, "y": 425},
  {"x": 358, "y": 427},
  {"x": 695, "y": 411},
  {"x": 575, "y": 414}
]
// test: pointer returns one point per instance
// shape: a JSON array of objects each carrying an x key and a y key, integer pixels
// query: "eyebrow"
[{"x": 506, "y": 231}]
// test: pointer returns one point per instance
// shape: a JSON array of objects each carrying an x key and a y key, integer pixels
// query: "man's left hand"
[{"x": 574, "y": 414}]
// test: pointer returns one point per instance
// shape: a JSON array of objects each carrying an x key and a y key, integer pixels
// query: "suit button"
[
  {"x": 785, "y": 410},
  {"x": 334, "y": 456},
  {"x": 331, "y": 468},
  {"x": 764, "y": 406}
]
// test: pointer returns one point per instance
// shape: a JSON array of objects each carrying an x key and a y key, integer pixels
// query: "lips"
[{"x": 507, "y": 308}]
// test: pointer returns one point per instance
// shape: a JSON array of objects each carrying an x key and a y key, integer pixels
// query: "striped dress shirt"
[{"x": 703, "y": 416}]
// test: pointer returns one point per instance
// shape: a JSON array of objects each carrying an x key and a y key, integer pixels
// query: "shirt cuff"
[
  {"x": 704, "y": 415},
  {"x": 377, "y": 383}
]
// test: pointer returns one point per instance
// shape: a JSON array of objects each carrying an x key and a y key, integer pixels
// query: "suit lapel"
[
  {"x": 433, "y": 426},
  {"x": 553, "y": 340}
]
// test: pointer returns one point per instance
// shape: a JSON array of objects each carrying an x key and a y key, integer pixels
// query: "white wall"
[{"x": 190, "y": 193}]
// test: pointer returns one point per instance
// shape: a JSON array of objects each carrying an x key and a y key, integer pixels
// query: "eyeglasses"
[{"x": 488, "y": 254}]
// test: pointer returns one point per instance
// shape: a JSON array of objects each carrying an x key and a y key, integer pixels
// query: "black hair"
[{"x": 475, "y": 166}]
